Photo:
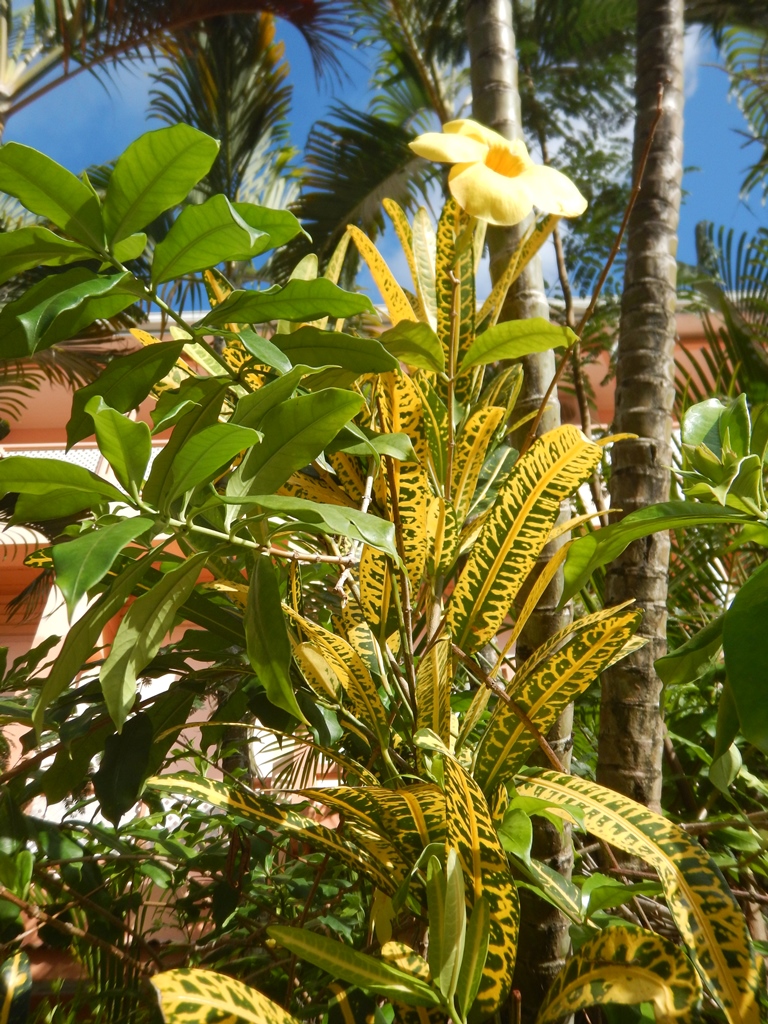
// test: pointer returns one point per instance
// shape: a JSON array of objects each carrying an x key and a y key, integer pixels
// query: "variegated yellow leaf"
[
  {"x": 317, "y": 672},
  {"x": 350, "y": 478},
  {"x": 385, "y": 873},
  {"x": 455, "y": 284},
  {"x": 413, "y": 817},
  {"x": 625, "y": 965},
  {"x": 424, "y": 246},
  {"x": 545, "y": 688},
  {"x": 192, "y": 996},
  {"x": 405, "y": 237},
  {"x": 471, "y": 833},
  {"x": 433, "y": 690},
  {"x": 401, "y": 407},
  {"x": 443, "y": 536},
  {"x": 707, "y": 916},
  {"x": 354, "y": 676},
  {"x": 472, "y": 445},
  {"x": 407, "y": 959},
  {"x": 518, "y": 261},
  {"x": 515, "y": 532},
  {"x": 395, "y": 299},
  {"x": 332, "y": 273},
  {"x": 15, "y": 989},
  {"x": 313, "y": 488},
  {"x": 295, "y": 595},
  {"x": 375, "y": 583}
]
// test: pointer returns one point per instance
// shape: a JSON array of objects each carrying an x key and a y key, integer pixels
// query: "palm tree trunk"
[
  {"x": 544, "y": 939},
  {"x": 631, "y": 728}
]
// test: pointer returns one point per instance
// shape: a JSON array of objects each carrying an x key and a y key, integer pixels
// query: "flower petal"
[
  {"x": 490, "y": 196},
  {"x": 552, "y": 191},
  {"x": 448, "y": 149},
  {"x": 473, "y": 130}
]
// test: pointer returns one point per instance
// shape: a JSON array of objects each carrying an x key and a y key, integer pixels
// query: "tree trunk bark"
[
  {"x": 544, "y": 939},
  {"x": 631, "y": 729}
]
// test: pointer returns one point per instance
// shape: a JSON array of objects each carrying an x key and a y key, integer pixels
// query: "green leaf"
[
  {"x": 298, "y": 300},
  {"x": 82, "y": 563},
  {"x": 47, "y": 477},
  {"x": 688, "y": 660},
  {"x": 264, "y": 351},
  {"x": 60, "y": 306},
  {"x": 252, "y": 408},
  {"x": 280, "y": 225},
  {"x": 355, "y": 968},
  {"x": 203, "y": 454},
  {"x": 125, "y": 444},
  {"x": 597, "y": 549},
  {"x": 146, "y": 624},
  {"x": 515, "y": 338},
  {"x": 190, "y": 996},
  {"x": 155, "y": 172},
  {"x": 123, "y": 767},
  {"x": 313, "y": 347},
  {"x": 516, "y": 834},
  {"x": 334, "y": 519},
  {"x": 49, "y": 190},
  {"x": 475, "y": 953},
  {"x": 130, "y": 248},
  {"x": 266, "y": 637},
  {"x": 84, "y": 634},
  {"x": 746, "y": 656},
  {"x": 123, "y": 385},
  {"x": 202, "y": 236},
  {"x": 295, "y": 432},
  {"x": 415, "y": 344},
  {"x": 207, "y": 395},
  {"x": 439, "y": 949},
  {"x": 701, "y": 425},
  {"x": 36, "y": 246}
]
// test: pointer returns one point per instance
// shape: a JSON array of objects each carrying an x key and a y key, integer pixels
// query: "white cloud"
[{"x": 694, "y": 48}]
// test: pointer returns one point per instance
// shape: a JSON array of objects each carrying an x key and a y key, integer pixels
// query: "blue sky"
[{"x": 89, "y": 120}]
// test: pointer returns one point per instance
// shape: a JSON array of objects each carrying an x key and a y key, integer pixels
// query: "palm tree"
[
  {"x": 50, "y": 41},
  {"x": 631, "y": 728}
]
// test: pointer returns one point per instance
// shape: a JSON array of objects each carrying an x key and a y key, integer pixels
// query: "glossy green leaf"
[
  {"x": 295, "y": 432},
  {"x": 333, "y": 519},
  {"x": 124, "y": 443},
  {"x": 123, "y": 385},
  {"x": 49, "y": 190},
  {"x": 415, "y": 344},
  {"x": 342, "y": 961},
  {"x": 203, "y": 454},
  {"x": 280, "y": 225},
  {"x": 516, "y": 833},
  {"x": 297, "y": 300},
  {"x": 36, "y": 246},
  {"x": 47, "y": 477},
  {"x": 252, "y": 408},
  {"x": 202, "y": 236},
  {"x": 475, "y": 954},
  {"x": 746, "y": 656},
  {"x": 207, "y": 396},
  {"x": 83, "y": 562},
  {"x": 596, "y": 549},
  {"x": 192, "y": 996},
  {"x": 701, "y": 425},
  {"x": 688, "y": 660},
  {"x": 513, "y": 339},
  {"x": 264, "y": 352},
  {"x": 60, "y": 306},
  {"x": 146, "y": 624},
  {"x": 131, "y": 247},
  {"x": 266, "y": 637},
  {"x": 313, "y": 347},
  {"x": 123, "y": 767},
  {"x": 84, "y": 634},
  {"x": 155, "y": 172}
]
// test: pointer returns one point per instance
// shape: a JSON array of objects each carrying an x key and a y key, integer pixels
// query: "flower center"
[{"x": 499, "y": 159}]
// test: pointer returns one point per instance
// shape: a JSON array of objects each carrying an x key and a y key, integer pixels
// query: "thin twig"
[{"x": 606, "y": 269}]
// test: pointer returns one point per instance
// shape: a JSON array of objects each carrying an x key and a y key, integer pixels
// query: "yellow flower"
[{"x": 496, "y": 180}]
